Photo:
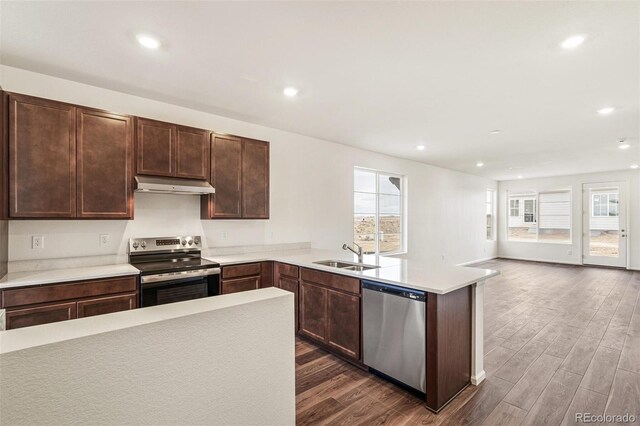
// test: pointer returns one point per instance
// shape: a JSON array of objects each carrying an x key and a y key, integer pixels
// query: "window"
[
  {"x": 529, "y": 211},
  {"x": 378, "y": 211},
  {"x": 490, "y": 215},
  {"x": 605, "y": 205},
  {"x": 514, "y": 208},
  {"x": 545, "y": 216}
]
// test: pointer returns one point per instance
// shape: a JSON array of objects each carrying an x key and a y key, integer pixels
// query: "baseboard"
[
  {"x": 478, "y": 378},
  {"x": 528, "y": 259},
  {"x": 477, "y": 261}
]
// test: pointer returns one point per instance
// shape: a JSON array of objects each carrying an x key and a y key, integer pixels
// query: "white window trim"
[{"x": 403, "y": 229}]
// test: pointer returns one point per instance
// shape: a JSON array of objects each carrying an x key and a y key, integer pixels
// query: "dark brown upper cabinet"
[
  {"x": 255, "y": 179},
  {"x": 240, "y": 176},
  {"x": 226, "y": 178},
  {"x": 67, "y": 161},
  {"x": 42, "y": 158},
  {"x": 105, "y": 164},
  {"x": 165, "y": 149},
  {"x": 192, "y": 153},
  {"x": 156, "y": 147}
]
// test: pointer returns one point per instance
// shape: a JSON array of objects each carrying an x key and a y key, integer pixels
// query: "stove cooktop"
[{"x": 162, "y": 266}]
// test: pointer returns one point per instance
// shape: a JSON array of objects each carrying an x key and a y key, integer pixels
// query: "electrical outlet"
[
  {"x": 104, "y": 240},
  {"x": 37, "y": 241},
  {"x": 569, "y": 252},
  {"x": 443, "y": 257},
  {"x": 225, "y": 235}
]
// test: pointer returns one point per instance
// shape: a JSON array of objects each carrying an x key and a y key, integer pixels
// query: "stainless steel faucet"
[{"x": 358, "y": 253}]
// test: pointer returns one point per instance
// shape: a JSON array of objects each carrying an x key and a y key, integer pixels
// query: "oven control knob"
[
  {"x": 190, "y": 242},
  {"x": 135, "y": 245},
  {"x": 196, "y": 240},
  {"x": 184, "y": 242},
  {"x": 143, "y": 244}
]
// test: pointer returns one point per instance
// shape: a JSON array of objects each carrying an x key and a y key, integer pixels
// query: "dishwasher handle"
[{"x": 417, "y": 295}]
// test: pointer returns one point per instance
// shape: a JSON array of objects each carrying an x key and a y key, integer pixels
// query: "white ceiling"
[{"x": 380, "y": 76}]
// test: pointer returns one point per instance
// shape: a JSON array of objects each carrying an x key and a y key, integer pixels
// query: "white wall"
[
  {"x": 555, "y": 252},
  {"x": 311, "y": 191},
  {"x": 207, "y": 361}
]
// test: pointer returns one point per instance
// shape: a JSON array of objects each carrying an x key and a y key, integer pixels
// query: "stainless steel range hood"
[{"x": 162, "y": 185}]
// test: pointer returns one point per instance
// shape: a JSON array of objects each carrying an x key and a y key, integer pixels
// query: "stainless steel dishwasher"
[{"x": 394, "y": 333}]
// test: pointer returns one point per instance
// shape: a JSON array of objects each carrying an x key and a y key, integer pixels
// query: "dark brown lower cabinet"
[
  {"x": 313, "y": 311},
  {"x": 239, "y": 284},
  {"x": 107, "y": 305},
  {"x": 329, "y": 311},
  {"x": 448, "y": 345},
  {"x": 26, "y": 317},
  {"x": 43, "y": 304},
  {"x": 343, "y": 323}
]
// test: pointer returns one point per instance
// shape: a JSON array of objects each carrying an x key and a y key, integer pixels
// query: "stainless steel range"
[{"x": 172, "y": 269}]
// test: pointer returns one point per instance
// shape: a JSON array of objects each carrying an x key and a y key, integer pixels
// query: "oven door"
[{"x": 178, "y": 290}]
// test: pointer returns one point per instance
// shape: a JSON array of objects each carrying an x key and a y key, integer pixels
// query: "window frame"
[
  {"x": 517, "y": 208},
  {"x": 536, "y": 200},
  {"x": 402, "y": 201}
]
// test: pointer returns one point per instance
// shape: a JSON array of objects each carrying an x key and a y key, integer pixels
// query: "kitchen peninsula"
[{"x": 328, "y": 303}]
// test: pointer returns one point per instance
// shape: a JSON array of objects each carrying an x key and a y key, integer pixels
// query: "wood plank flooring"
[{"x": 559, "y": 340}]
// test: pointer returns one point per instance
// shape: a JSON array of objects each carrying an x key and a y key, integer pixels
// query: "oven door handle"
[{"x": 173, "y": 276}]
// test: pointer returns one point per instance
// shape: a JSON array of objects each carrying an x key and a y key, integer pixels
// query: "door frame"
[{"x": 622, "y": 261}]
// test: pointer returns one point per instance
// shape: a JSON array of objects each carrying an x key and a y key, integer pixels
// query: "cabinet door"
[
  {"x": 255, "y": 179},
  {"x": 156, "y": 148},
  {"x": 26, "y": 317},
  {"x": 226, "y": 178},
  {"x": 42, "y": 158},
  {"x": 192, "y": 153},
  {"x": 313, "y": 311},
  {"x": 105, "y": 175},
  {"x": 241, "y": 284},
  {"x": 107, "y": 305},
  {"x": 290, "y": 285},
  {"x": 343, "y": 323}
]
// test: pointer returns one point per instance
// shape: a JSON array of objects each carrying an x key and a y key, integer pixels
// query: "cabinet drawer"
[
  {"x": 73, "y": 290},
  {"x": 238, "y": 285},
  {"x": 338, "y": 282},
  {"x": 244, "y": 270},
  {"x": 107, "y": 305},
  {"x": 18, "y": 318},
  {"x": 288, "y": 270}
]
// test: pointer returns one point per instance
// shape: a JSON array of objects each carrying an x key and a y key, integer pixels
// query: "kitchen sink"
[{"x": 359, "y": 267}]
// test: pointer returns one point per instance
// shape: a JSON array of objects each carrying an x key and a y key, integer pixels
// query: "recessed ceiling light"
[
  {"x": 606, "y": 110},
  {"x": 495, "y": 132},
  {"x": 421, "y": 147},
  {"x": 634, "y": 166},
  {"x": 519, "y": 176},
  {"x": 148, "y": 41},
  {"x": 479, "y": 164},
  {"x": 624, "y": 145},
  {"x": 290, "y": 91},
  {"x": 573, "y": 41}
]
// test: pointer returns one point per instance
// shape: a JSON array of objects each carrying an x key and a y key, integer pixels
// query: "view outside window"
[
  {"x": 542, "y": 217},
  {"x": 604, "y": 229},
  {"x": 377, "y": 206}
]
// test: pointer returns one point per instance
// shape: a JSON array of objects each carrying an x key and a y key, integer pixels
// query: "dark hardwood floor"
[{"x": 559, "y": 340}]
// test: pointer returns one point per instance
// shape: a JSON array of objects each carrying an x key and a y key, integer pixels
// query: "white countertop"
[
  {"x": 433, "y": 278},
  {"x": 21, "y": 279},
  {"x": 27, "y": 337}
]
